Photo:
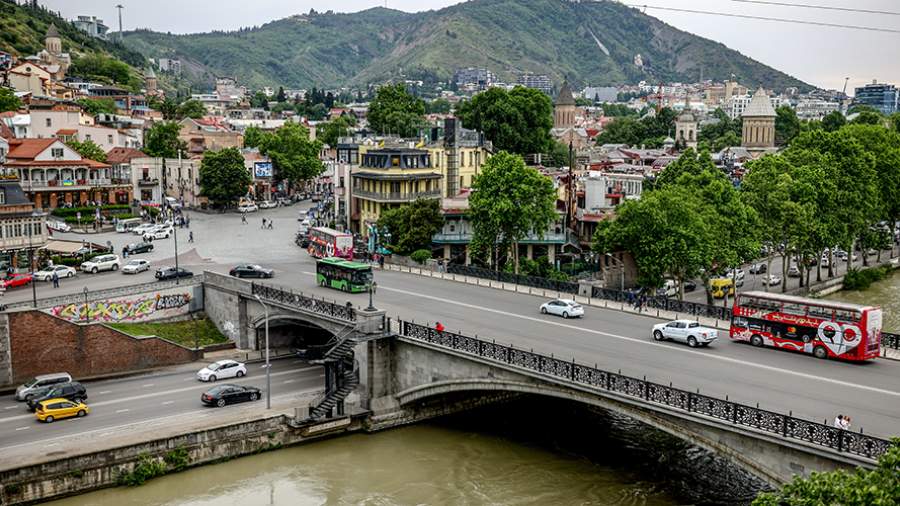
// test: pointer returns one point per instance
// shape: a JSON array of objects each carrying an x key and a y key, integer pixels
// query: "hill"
[{"x": 590, "y": 42}]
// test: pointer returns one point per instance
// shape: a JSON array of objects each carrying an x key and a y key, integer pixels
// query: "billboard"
[{"x": 262, "y": 169}]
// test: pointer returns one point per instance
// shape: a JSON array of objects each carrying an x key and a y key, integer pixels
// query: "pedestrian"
[
  {"x": 187, "y": 221},
  {"x": 438, "y": 326},
  {"x": 642, "y": 300},
  {"x": 263, "y": 223},
  {"x": 846, "y": 423},
  {"x": 191, "y": 236},
  {"x": 270, "y": 225},
  {"x": 839, "y": 422},
  {"x": 55, "y": 279},
  {"x": 125, "y": 253},
  {"x": 381, "y": 261},
  {"x": 243, "y": 219}
]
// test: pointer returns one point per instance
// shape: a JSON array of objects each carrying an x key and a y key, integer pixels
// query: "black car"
[
  {"x": 164, "y": 273},
  {"x": 229, "y": 394},
  {"x": 137, "y": 247},
  {"x": 690, "y": 285},
  {"x": 759, "y": 268},
  {"x": 73, "y": 391},
  {"x": 251, "y": 271}
]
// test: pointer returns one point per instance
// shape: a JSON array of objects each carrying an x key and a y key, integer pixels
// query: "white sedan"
[
  {"x": 62, "y": 271},
  {"x": 58, "y": 226},
  {"x": 222, "y": 369},
  {"x": 135, "y": 266},
  {"x": 267, "y": 204},
  {"x": 687, "y": 331},
  {"x": 143, "y": 229},
  {"x": 773, "y": 280},
  {"x": 160, "y": 232},
  {"x": 567, "y": 308}
]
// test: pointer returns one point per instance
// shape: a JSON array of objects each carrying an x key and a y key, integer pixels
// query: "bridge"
[{"x": 403, "y": 372}]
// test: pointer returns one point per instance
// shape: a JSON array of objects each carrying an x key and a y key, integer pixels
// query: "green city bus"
[{"x": 343, "y": 275}]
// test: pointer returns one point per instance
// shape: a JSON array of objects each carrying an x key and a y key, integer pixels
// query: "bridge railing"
[
  {"x": 890, "y": 340},
  {"x": 304, "y": 302},
  {"x": 785, "y": 426}
]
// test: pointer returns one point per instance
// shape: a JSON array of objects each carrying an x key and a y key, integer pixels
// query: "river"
[
  {"x": 504, "y": 455},
  {"x": 884, "y": 293}
]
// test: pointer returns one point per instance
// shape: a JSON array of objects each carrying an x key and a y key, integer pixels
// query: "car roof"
[
  {"x": 55, "y": 399},
  {"x": 225, "y": 361},
  {"x": 52, "y": 375}
]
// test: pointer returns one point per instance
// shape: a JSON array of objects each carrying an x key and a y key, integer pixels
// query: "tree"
[
  {"x": 517, "y": 121},
  {"x": 861, "y": 487},
  {"x": 649, "y": 131},
  {"x": 331, "y": 131},
  {"x": 191, "y": 109},
  {"x": 687, "y": 163},
  {"x": 95, "y": 106},
  {"x": 8, "y": 100},
  {"x": 88, "y": 149},
  {"x": 508, "y": 202},
  {"x": 884, "y": 146},
  {"x": 438, "y": 106},
  {"x": 868, "y": 118},
  {"x": 412, "y": 225},
  {"x": 395, "y": 111},
  {"x": 161, "y": 140},
  {"x": 726, "y": 141},
  {"x": 253, "y": 137},
  {"x": 895, "y": 121},
  {"x": 223, "y": 177},
  {"x": 787, "y": 125},
  {"x": 281, "y": 97},
  {"x": 105, "y": 68},
  {"x": 295, "y": 156},
  {"x": 833, "y": 121}
]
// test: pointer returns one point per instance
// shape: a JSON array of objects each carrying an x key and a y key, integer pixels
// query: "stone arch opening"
[{"x": 290, "y": 332}]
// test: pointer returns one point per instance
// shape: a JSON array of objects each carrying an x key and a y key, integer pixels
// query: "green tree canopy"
[
  {"x": 787, "y": 125},
  {"x": 105, "y": 68},
  {"x": 253, "y": 137},
  {"x": 649, "y": 131},
  {"x": 191, "y": 109},
  {"x": 295, "y": 156},
  {"x": 412, "y": 225},
  {"x": 395, "y": 111},
  {"x": 438, "y": 106},
  {"x": 517, "y": 121},
  {"x": 329, "y": 132},
  {"x": 8, "y": 100},
  {"x": 508, "y": 202},
  {"x": 833, "y": 121},
  {"x": 223, "y": 177},
  {"x": 162, "y": 140},
  {"x": 88, "y": 149},
  {"x": 95, "y": 106},
  {"x": 884, "y": 147},
  {"x": 868, "y": 118}
]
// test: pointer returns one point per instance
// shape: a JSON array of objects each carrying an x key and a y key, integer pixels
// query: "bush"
[
  {"x": 146, "y": 468},
  {"x": 420, "y": 256},
  {"x": 177, "y": 459},
  {"x": 88, "y": 212},
  {"x": 857, "y": 279},
  {"x": 152, "y": 211}
]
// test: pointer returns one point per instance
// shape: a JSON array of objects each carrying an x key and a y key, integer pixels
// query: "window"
[
  {"x": 56, "y": 152},
  {"x": 109, "y": 139},
  {"x": 48, "y": 122}
]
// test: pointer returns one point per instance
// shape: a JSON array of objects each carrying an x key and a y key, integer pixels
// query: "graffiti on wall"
[{"x": 124, "y": 310}]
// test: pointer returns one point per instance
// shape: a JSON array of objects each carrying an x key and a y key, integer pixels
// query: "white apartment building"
[{"x": 735, "y": 106}]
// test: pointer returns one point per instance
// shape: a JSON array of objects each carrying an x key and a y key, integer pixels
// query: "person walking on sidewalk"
[
  {"x": 191, "y": 236},
  {"x": 55, "y": 279},
  {"x": 243, "y": 219},
  {"x": 439, "y": 327}
]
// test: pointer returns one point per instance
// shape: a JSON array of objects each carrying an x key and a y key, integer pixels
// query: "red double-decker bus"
[
  {"x": 822, "y": 328},
  {"x": 326, "y": 242}
]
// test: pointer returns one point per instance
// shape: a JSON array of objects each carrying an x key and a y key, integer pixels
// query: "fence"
[
  {"x": 304, "y": 302},
  {"x": 736, "y": 414},
  {"x": 890, "y": 340},
  {"x": 105, "y": 293}
]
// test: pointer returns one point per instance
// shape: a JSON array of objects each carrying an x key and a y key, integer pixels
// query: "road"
[{"x": 777, "y": 380}]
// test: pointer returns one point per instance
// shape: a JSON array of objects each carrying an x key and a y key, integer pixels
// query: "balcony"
[
  {"x": 148, "y": 182},
  {"x": 392, "y": 197},
  {"x": 64, "y": 184}
]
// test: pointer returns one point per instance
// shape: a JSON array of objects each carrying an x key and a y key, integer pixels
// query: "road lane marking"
[
  {"x": 168, "y": 402},
  {"x": 11, "y": 407},
  {"x": 122, "y": 410},
  {"x": 649, "y": 343},
  {"x": 148, "y": 385},
  {"x": 104, "y": 392},
  {"x": 23, "y": 428},
  {"x": 168, "y": 392}
]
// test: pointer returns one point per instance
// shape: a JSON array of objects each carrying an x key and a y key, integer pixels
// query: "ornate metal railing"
[
  {"x": 890, "y": 340},
  {"x": 304, "y": 302},
  {"x": 785, "y": 426},
  {"x": 664, "y": 303}
]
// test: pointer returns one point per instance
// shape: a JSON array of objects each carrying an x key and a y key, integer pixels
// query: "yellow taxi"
[{"x": 54, "y": 409}]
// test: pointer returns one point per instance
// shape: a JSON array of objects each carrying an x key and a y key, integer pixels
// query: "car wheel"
[
  {"x": 820, "y": 352},
  {"x": 70, "y": 274},
  {"x": 150, "y": 248},
  {"x": 240, "y": 374},
  {"x": 81, "y": 413},
  {"x": 658, "y": 335},
  {"x": 692, "y": 341},
  {"x": 253, "y": 396},
  {"x": 94, "y": 270},
  {"x": 115, "y": 267},
  {"x": 565, "y": 315},
  {"x": 49, "y": 419},
  {"x": 543, "y": 310},
  {"x": 220, "y": 403},
  {"x": 756, "y": 340},
  {"x": 212, "y": 377}
]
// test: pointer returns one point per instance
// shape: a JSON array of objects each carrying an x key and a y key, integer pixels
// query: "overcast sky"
[{"x": 819, "y": 55}]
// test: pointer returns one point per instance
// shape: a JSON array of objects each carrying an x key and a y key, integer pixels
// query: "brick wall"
[{"x": 41, "y": 343}]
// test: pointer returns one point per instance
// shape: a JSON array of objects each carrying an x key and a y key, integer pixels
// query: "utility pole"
[{"x": 120, "y": 7}]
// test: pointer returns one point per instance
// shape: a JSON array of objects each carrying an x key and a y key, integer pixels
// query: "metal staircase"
[{"x": 341, "y": 375}]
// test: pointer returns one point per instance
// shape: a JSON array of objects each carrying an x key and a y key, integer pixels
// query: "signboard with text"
[{"x": 262, "y": 169}]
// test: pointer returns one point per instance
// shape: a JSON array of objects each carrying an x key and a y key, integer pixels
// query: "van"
[
  {"x": 668, "y": 289},
  {"x": 720, "y": 286},
  {"x": 128, "y": 225},
  {"x": 43, "y": 380}
]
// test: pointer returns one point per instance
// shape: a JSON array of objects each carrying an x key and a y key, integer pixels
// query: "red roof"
[
  {"x": 123, "y": 155},
  {"x": 66, "y": 131},
  {"x": 27, "y": 148}
]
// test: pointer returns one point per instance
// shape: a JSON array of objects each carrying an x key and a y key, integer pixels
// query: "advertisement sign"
[{"x": 262, "y": 169}]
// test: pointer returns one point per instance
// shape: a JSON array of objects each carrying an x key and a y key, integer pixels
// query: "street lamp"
[
  {"x": 31, "y": 255},
  {"x": 622, "y": 265},
  {"x": 268, "y": 370},
  {"x": 86, "y": 309},
  {"x": 175, "y": 234},
  {"x": 372, "y": 285}
]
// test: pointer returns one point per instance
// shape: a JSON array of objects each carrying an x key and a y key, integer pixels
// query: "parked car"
[
  {"x": 62, "y": 271},
  {"x": 690, "y": 285},
  {"x": 41, "y": 381},
  {"x": 135, "y": 266},
  {"x": 14, "y": 280},
  {"x": 229, "y": 394},
  {"x": 160, "y": 232},
  {"x": 736, "y": 275},
  {"x": 773, "y": 280},
  {"x": 164, "y": 273},
  {"x": 101, "y": 263},
  {"x": 73, "y": 391},
  {"x": 54, "y": 409},
  {"x": 687, "y": 331},
  {"x": 563, "y": 307},
  {"x": 136, "y": 248},
  {"x": 284, "y": 201},
  {"x": 142, "y": 229},
  {"x": 251, "y": 271},
  {"x": 222, "y": 369},
  {"x": 247, "y": 208},
  {"x": 267, "y": 204},
  {"x": 759, "y": 268},
  {"x": 58, "y": 226},
  {"x": 793, "y": 271}
]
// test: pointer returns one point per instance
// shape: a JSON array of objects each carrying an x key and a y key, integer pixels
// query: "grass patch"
[{"x": 187, "y": 333}]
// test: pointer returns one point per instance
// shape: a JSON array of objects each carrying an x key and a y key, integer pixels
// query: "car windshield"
[
  {"x": 255, "y": 267},
  {"x": 31, "y": 382},
  {"x": 693, "y": 324},
  {"x": 214, "y": 366},
  {"x": 134, "y": 262},
  {"x": 216, "y": 390}
]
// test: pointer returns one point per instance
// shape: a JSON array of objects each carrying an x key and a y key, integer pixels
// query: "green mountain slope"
[{"x": 590, "y": 42}]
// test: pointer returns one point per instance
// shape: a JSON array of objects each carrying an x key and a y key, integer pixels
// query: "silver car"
[{"x": 686, "y": 331}]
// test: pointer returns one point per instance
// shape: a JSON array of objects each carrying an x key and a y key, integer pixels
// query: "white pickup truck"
[{"x": 686, "y": 331}]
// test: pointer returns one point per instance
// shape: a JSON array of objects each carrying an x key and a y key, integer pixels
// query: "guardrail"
[
  {"x": 304, "y": 302},
  {"x": 785, "y": 426}
]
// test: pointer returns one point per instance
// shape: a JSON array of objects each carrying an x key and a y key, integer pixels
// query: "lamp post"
[
  {"x": 31, "y": 255},
  {"x": 372, "y": 285},
  {"x": 175, "y": 234},
  {"x": 268, "y": 370},
  {"x": 86, "y": 309},
  {"x": 622, "y": 266}
]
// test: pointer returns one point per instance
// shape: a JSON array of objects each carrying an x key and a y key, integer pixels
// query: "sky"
[{"x": 821, "y": 56}]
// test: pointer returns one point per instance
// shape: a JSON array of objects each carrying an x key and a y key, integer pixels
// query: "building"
[
  {"x": 170, "y": 65},
  {"x": 686, "y": 130},
  {"x": 816, "y": 109},
  {"x": 477, "y": 78},
  {"x": 736, "y": 105},
  {"x": 202, "y": 135},
  {"x": 30, "y": 77},
  {"x": 603, "y": 94},
  {"x": 388, "y": 178},
  {"x": 564, "y": 109},
  {"x": 92, "y": 26},
  {"x": 126, "y": 102},
  {"x": 883, "y": 97},
  {"x": 261, "y": 170},
  {"x": 107, "y": 138},
  {"x": 52, "y": 56},
  {"x": 759, "y": 123},
  {"x": 182, "y": 181},
  {"x": 120, "y": 161},
  {"x": 46, "y": 122},
  {"x": 151, "y": 83},
  {"x": 23, "y": 230},
  {"x": 51, "y": 173},
  {"x": 227, "y": 88},
  {"x": 536, "y": 81}
]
